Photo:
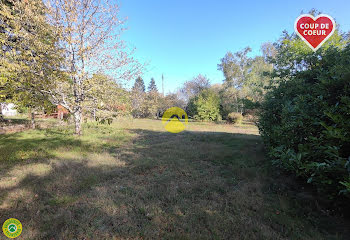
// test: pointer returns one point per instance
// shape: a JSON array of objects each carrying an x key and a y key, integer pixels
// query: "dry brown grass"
[{"x": 133, "y": 180}]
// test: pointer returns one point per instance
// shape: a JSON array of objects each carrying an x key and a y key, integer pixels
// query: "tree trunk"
[
  {"x": 60, "y": 116},
  {"x": 1, "y": 116},
  {"x": 32, "y": 120},
  {"x": 78, "y": 120}
]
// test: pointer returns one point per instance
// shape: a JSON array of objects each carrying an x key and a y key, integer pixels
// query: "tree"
[
  {"x": 152, "y": 87},
  {"x": 205, "y": 106},
  {"x": 292, "y": 55},
  {"x": 139, "y": 85},
  {"x": 170, "y": 100},
  {"x": 105, "y": 98},
  {"x": 230, "y": 100},
  {"x": 152, "y": 99},
  {"x": 194, "y": 87},
  {"x": 33, "y": 101},
  {"x": 139, "y": 107},
  {"x": 235, "y": 67},
  {"x": 268, "y": 50},
  {"x": 257, "y": 79},
  {"x": 246, "y": 79},
  {"x": 89, "y": 33},
  {"x": 30, "y": 58}
]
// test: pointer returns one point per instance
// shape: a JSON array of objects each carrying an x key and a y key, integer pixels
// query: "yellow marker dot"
[{"x": 175, "y": 120}]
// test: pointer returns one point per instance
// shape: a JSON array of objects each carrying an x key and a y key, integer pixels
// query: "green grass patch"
[{"x": 133, "y": 180}]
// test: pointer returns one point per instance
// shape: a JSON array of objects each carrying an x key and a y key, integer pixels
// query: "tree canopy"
[{"x": 152, "y": 87}]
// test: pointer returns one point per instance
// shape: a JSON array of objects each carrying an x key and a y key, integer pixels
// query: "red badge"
[{"x": 314, "y": 30}]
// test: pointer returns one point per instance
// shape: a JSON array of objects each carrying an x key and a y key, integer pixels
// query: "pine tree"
[
  {"x": 152, "y": 87},
  {"x": 138, "y": 98},
  {"x": 139, "y": 85}
]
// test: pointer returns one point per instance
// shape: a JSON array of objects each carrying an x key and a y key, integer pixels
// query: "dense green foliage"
[
  {"x": 29, "y": 56},
  {"x": 245, "y": 79},
  {"x": 305, "y": 118},
  {"x": 205, "y": 106}
]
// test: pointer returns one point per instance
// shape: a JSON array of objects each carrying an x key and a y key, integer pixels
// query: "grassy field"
[{"x": 133, "y": 180}]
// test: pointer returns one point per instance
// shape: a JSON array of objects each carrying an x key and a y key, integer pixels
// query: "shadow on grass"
[
  {"x": 192, "y": 185},
  {"x": 24, "y": 147},
  {"x": 13, "y": 121}
]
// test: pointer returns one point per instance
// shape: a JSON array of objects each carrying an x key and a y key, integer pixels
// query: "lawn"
[{"x": 134, "y": 180}]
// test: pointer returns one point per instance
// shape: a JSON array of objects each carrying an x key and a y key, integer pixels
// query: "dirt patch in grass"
[{"x": 133, "y": 180}]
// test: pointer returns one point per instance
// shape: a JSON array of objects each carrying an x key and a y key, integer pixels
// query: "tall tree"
[
  {"x": 194, "y": 86},
  {"x": 258, "y": 79},
  {"x": 152, "y": 99},
  {"x": 293, "y": 55},
  {"x": 245, "y": 78},
  {"x": 152, "y": 87},
  {"x": 139, "y": 98},
  {"x": 139, "y": 85},
  {"x": 30, "y": 58},
  {"x": 235, "y": 67},
  {"x": 268, "y": 50},
  {"x": 89, "y": 32}
]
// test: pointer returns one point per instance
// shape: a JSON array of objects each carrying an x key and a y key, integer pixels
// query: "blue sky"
[{"x": 182, "y": 38}]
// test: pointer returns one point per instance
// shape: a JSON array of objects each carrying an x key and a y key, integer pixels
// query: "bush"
[
  {"x": 205, "y": 106},
  {"x": 235, "y": 118},
  {"x": 305, "y": 123}
]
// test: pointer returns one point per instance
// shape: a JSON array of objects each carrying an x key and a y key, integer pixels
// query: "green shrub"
[
  {"x": 305, "y": 123},
  {"x": 235, "y": 118},
  {"x": 205, "y": 106}
]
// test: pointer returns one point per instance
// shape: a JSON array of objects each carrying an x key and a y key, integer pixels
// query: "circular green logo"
[
  {"x": 175, "y": 120},
  {"x": 12, "y": 228}
]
